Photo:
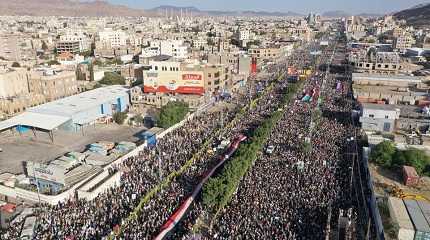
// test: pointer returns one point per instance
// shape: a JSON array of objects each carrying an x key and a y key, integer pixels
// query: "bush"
[
  {"x": 53, "y": 62},
  {"x": 172, "y": 113},
  {"x": 383, "y": 153},
  {"x": 119, "y": 117},
  {"x": 16, "y": 65},
  {"x": 112, "y": 78}
]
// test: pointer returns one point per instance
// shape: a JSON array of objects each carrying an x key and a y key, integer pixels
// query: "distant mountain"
[
  {"x": 336, "y": 14},
  {"x": 418, "y": 16},
  {"x": 370, "y": 15},
  {"x": 65, "y": 8},
  {"x": 167, "y": 9}
]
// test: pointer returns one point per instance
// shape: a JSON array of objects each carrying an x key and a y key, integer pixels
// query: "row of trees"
[
  {"x": 219, "y": 190},
  {"x": 387, "y": 155}
]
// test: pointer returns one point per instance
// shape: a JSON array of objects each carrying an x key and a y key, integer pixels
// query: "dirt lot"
[
  {"x": 383, "y": 176},
  {"x": 17, "y": 149}
]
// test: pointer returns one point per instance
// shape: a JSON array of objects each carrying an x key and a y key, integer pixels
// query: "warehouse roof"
[
  {"x": 36, "y": 120},
  {"x": 51, "y": 115},
  {"x": 80, "y": 102}
]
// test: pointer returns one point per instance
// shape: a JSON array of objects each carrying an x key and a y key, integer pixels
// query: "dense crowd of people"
[
  {"x": 290, "y": 193},
  {"x": 162, "y": 206},
  {"x": 81, "y": 219},
  {"x": 287, "y": 195}
]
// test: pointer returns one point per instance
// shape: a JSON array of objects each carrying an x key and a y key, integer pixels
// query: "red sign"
[{"x": 186, "y": 77}]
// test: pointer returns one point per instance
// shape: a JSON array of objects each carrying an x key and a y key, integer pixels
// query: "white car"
[
  {"x": 270, "y": 149},
  {"x": 1, "y": 150}
]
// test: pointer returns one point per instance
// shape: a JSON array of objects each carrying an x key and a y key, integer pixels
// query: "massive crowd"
[
  {"x": 290, "y": 193},
  {"x": 158, "y": 210},
  {"x": 287, "y": 195},
  {"x": 80, "y": 219}
]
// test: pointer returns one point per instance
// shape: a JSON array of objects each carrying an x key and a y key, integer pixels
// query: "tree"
[
  {"x": 383, "y": 153},
  {"x": 53, "y": 62},
  {"x": 119, "y": 117},
  {"x": 16, "y": 65},
  {"x": 172, "y": 113},
  {"x": 412, "y": 157},
  {"x": 44, "y": 46},
  {"x": 91, "y": 70},
  {"x": 112, "y": 78}
]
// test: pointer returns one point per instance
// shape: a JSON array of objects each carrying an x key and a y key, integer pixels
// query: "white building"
[
  {"x": 73, "y": 36},
  {"x": 379, "y": 117},
  {"x": 112, "y": 39}
]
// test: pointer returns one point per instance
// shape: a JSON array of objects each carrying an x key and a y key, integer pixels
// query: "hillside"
[
  {"x": 418, "y": 16},
  {"x": 162, "y": 10},
  {"x": 65, "y": 8}
]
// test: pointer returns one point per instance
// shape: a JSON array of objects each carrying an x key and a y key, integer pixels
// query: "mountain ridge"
[
  {"x": 65, "y": 8},
  {"x": 417, "y": 16}
]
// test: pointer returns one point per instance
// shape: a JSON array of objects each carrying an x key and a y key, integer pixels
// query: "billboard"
[
  {"x": 186, "y": 82},
  {"x": 51, "y": 173}
]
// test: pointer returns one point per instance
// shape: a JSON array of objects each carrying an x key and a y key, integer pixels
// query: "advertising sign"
[
  {"x": 46, "y": 172},
  {"x": 186, "y": 82}
]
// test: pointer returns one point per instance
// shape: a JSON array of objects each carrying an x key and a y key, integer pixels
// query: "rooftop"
[{"x": 385, "y": 107}]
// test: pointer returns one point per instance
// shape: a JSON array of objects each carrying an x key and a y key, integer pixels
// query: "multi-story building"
[
  {"x": 54, "y": 85},
  {"x": 172, "y": 76},
  {"x": 111, "y": 39},
  {"x": 403, "y": 42},
  {"x": 74, "y": 41},
  {"x": 14, "y": 47},
  {"x": 21, "y": 88},
  {"x": 265, "y": 53}
]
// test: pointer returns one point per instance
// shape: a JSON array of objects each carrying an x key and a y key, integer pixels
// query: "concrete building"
[
  {"x": 139, "y": 99},
  {"x": 112, "y": 39},
  {"x": 73, "y": 41},
  {"x": 379, "y": 117},
  {"x": 403, "y": 42},
  {"x": 265, "y": 53},
  {"x": 54, "y": 85}
]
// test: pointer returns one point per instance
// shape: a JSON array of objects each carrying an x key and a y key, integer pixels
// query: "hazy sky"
[{"x": 300, "y": 6}]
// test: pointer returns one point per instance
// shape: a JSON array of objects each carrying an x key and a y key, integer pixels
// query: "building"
[
  {"x": 263, "y": 53},
  {"x": 169, "y": 75},
  {"x": 112, "y": 39},
  {"x": 379, "y": 117},
  {"x": 139, "y": 99},
  {"x": 22, "y": 88},
  {"x": 74, "y": 41},
  {"x": 72, "y": 113},
  {"x": 403, "y": 42},
  {"x": 15, "y": 47},
  {"x": 54, "y": 84},
  {"x": 68, "y": 46}
]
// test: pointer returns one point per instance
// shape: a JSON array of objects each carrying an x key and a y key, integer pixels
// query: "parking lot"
[{"x": 40, "y": 148}]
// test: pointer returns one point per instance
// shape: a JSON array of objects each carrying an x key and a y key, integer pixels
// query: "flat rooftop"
[
  {"x": 79, "y": 102},
  {"x": 379, "y": 77}
]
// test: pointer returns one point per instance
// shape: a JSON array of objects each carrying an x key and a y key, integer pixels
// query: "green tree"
[
  {"x": 383, "y": 153},
  {"x": 417, "y": 159},
  {"x": 16, "y": 65},
  {"x": 172, "y": 113},
  {"x": 119, "y": 117},
  {"x": 112, "y": 78}
]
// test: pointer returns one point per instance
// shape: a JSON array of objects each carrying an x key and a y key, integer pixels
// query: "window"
[
  {"x": 209, "y": 75},
  {"x": 386, "y": 116},
  {"x": 371, "y": 115},
  {"x": 156, "y": 68},
  {"x": 386, "y": 65}
]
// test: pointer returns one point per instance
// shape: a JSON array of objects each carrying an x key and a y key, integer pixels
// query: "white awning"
[{"x": 36, "y": 120}]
